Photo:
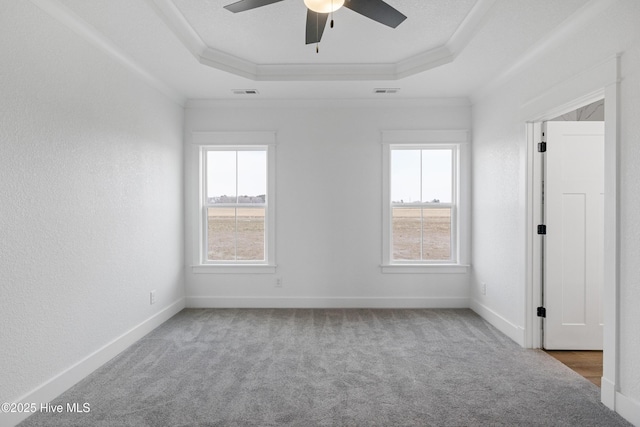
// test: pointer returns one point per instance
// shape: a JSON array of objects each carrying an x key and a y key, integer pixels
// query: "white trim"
[
  {"x": 579, "y": 90},
  {"x": 469, "y": 26},
  {"x": 425, "y": 268},
  {"x": 197, "y": 142},
  {"x": 563, "y": 32},
  {"x": 315, "y": 103},
  {"x": 412, "y": 65},
  {"x": 628, "y": 408},
  {"x": 608, "y": 393},
  {"x": 231, "y": 138},
  {"x": 175, "y": 20},
  {"x": 513, "y": 331},
  {"x": 603, "y": 80},
  {"x": 66, "y": 379},
  {"x": 533, "y": 191},
  {"x": 79, "y": 26},
  {"x": 458, "y": 140},
  {"x": 587, "y": 99},
  {"x": 424, "y": 61},
  {"x": 611, "y": 292},
  {"x": 426, "y": 136},
  {"x": 233, "y": 269},
  {"x": 533, "y": 324},
  {"x": 324, "y": 302}
]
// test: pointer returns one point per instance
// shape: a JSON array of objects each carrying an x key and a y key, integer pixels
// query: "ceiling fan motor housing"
[{"x": 324, "y": 6}]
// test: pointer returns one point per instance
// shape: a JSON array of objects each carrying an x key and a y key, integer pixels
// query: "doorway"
[{"x": 593, "y": 84}]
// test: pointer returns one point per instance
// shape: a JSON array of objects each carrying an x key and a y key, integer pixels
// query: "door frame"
[{"x": 599, "y": 82}]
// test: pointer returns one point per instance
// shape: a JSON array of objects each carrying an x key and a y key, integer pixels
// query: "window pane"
[
  {"x": 436, "y": 176},
  {"x": 406, "y": 233},
  {"x": 436, "y": 234},
  {"x": 250, "y": 234},
  {"x": 252, "y": 176},
  {"x": 405, "y": 176},
  {"x": 221, "y": 230},
  {"x": 221, "y": 177}
]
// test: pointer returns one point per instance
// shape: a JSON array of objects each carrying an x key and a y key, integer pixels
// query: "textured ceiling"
[
  {"x": 253, "y": 34},
  {"x": 174, "y": 40}
]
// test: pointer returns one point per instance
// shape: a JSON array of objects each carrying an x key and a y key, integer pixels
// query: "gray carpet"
[{"x": 232, "y": 367}]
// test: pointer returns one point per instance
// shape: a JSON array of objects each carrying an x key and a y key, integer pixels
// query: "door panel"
[
  {"x": 573, "y": 274},
  {"x": 574, "y": 212}
]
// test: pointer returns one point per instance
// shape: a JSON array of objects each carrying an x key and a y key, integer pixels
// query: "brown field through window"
[
  {"x": 431, "y": 225},
  {"x": 236, "y": 234}
]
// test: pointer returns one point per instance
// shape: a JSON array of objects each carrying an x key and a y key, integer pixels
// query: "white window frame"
[
  {"x": 234, "y": 141},
  {"x": 457, "y": 141}
]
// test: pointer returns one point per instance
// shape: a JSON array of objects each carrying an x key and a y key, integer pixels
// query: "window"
[
  {"x": 235, "y": 204},
  {"x": 422, "y": 208},
  {"x": 236, "y": 200},
  {"x": 425, "y": 219}
]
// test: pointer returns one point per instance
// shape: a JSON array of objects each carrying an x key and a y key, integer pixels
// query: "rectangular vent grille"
[
  {"x": 245, "y": 91},
  {"x": 383, "y": 90}
]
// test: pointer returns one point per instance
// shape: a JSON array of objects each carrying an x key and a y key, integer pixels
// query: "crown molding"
[
  {"x": 75, "y": 23},
  {"x": 224, "y": 61},
  {"x": 563, "y": 32},
  {"x": 175, "y": 20},
  {"x": 328, "y": 103}
]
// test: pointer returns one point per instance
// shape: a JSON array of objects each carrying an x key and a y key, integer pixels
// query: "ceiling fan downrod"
[
  {"x": 332, "y": 13},
  {"x": 317, "y": 37}
]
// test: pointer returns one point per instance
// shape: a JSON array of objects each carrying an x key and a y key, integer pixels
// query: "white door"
[{"x": 574, "y": 254}]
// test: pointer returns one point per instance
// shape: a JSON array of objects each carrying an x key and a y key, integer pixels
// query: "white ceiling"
[
  {"x": 195, "y": 49},
  {"x": 353, "y": 40}
]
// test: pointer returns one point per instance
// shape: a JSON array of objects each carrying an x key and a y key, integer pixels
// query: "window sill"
[
  {"x": 425, "y": 268},
  {"x": 233, "y": 269}
]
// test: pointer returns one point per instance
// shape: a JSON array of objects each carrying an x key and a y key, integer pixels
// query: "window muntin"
[
  {"x": 235, "y": 210},
  {"x": 422, "y": 204}
]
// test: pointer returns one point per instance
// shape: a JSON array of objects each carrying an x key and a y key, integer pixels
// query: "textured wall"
[
  {"x": 498, "y": 220},
  {"x": 329, "y": 200},
  {"x": 90, "y": 199},
  {"x": 498, "y": 163}
]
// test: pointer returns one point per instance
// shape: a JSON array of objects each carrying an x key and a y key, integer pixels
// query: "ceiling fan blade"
[
  {"x": 377, "y": 10},
  {"x": 242, "y": 5},
  {"x": 315, "y": 25}
]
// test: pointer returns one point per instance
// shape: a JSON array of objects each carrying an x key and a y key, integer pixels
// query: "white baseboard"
[
  {"x": 608, "y": 393},
  {"x": 317, "y": 302},
  {"x": 628, "y": 408},
  {"x": 57, "y": 385},
  {"x": 511, "y": 330}
]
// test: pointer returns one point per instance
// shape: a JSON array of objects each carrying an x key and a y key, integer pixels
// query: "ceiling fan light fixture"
[{"x": 323, "y": 6}]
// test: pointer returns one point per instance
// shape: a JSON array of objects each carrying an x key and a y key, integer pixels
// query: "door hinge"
[
  {"x": 542, "y": 147},
  {"x": 542, "y": 229},
  {"x": 541, "y": 311}
]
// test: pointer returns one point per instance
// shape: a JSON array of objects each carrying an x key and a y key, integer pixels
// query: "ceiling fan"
[{"x": 318, "y": 11}]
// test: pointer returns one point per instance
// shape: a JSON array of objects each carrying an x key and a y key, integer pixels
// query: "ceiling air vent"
[
  {"x": 244, "y": 91},
  {"x": 383, "y": 90}
]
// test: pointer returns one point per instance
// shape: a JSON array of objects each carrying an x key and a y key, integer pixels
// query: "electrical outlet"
[
  {"x": 152, "y": 297},
  {"x": 483, "y": 288},
  {"x": 279, "y": 282}
]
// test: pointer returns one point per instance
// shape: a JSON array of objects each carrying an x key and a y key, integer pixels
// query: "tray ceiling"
[
  {"x": 274, "y": 34},
  {"x": 267, "y": 43},
  {"x": 445, "y": 48}
]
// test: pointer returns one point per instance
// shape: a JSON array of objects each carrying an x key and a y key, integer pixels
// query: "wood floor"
[{"x": 586, "y": 363}]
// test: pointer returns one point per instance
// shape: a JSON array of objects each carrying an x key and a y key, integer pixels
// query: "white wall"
[
  {"x": 499, "y": 176},
  {"x": 91, "y": 202},
  {"x": 329, "y": 205}
]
